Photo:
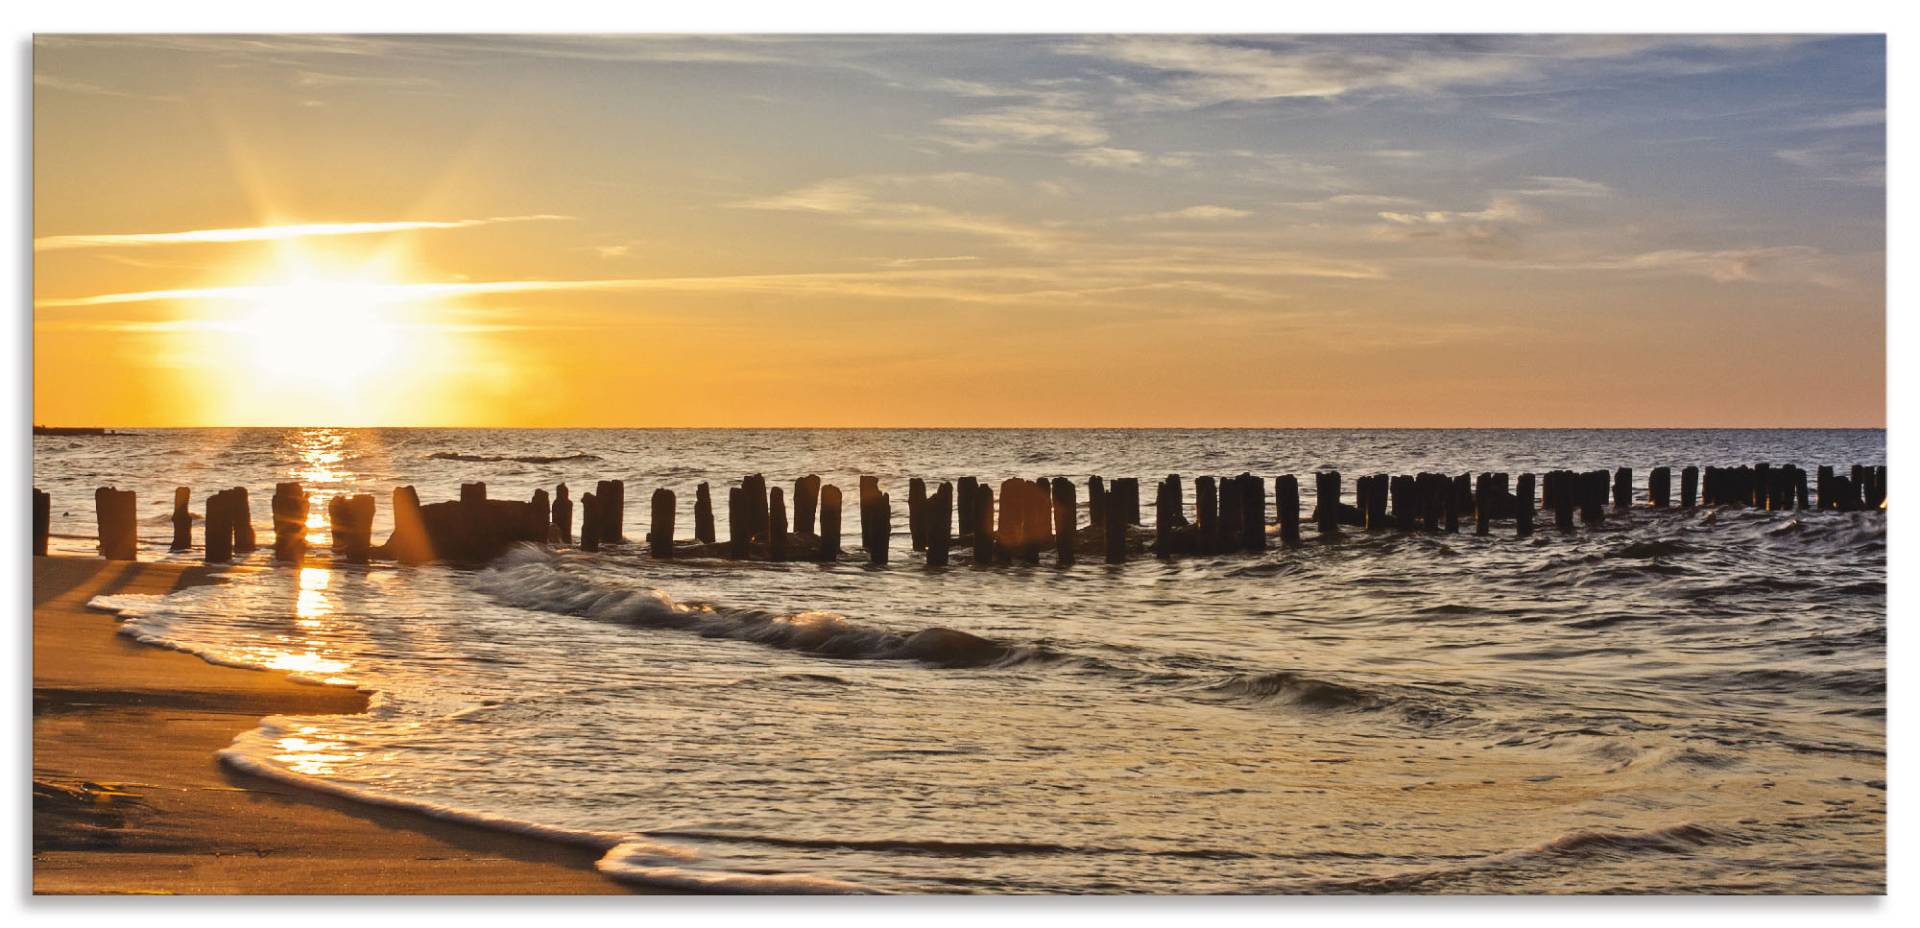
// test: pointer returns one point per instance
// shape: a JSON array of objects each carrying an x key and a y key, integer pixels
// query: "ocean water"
[{"x": 1678, "y": 702}]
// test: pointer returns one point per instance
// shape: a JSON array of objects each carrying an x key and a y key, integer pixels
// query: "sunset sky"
[{"x": 959, "y": 231}]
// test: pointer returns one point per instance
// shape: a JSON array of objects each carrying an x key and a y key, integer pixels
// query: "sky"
[{"x": 960, "y": 231}]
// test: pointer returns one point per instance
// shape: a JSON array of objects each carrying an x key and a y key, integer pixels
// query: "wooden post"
[
  {"x": 806, "y": 497},
  {"x": 1659, "y": 487},
  {"x": 1800, "y": 486},
  {"x": 660, "y": 534},
  {"x": 338, "y": 526},
  {"x": 219, "y": 527},
  {"x": 1129, "y": 492},
  {"x": 937, "y": 526},
  {"x": 916, "y": 510},
  {"x": 882, "y": 529},
  {"x": 1036, "y": 515},
  {"x": 777, "y": 525},
  {"x": 1483, "y": 504},
  {"x": 982, "y": 518},
  {"x": 290, "y": 507},
  {"x": 471, "y": 493},
  {"x": 1523, "y": 506},
  {"x": 1623, "y": 488},
  {"x": 829, "y": 523},
  {"x": 1232, "y": 511},
  {"x": 562, "y": 515},
  {"x": 539, "y": 517},
  {"x": 42, "y": 521},
  {"x": 1253, "y": 513},
  {"x": 1163, "y": 506},
  {"x": 1097, "y": 499},
  {"x": 1206, "y": 505},
  {"x": 409, "y": 543},
  {"x": 1326, "y": 506},
  {"x": 873, "y": 531},
  {"x": 359, "y": 510},
  {"x": 1286, "y": 497},
  {"x": 1689, "y": 486},
  {"x": 1563, "y": 499},
  {"x": 1593, "y": 497},
  {"x": 590, "y": 513},
  {"x": 1115, "y": 532},
  {"x": 1065, "y": 520},
  {"x": 1405, "y": 492},
  {"x": 182, "y": 521},
  {"x": 613, "y": 528},
  {"x": 117, "y": 523},
  {"x": 739, "y": 536},
  {"x": 1452, "y": 502},
  {"x": 244, "y": 540},
  {"x": 756, "y": 524},
  {"x": 1178, "y": 503},
  {"x": 703, "y": 514},
  {"x": 963, "y": 504},
  {"x": 1376, "y": 516}
]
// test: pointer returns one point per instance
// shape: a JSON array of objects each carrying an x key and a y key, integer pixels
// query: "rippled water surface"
[{"x": 1676, "y": 702}]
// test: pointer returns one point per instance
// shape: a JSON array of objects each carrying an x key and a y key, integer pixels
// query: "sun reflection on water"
[{"x": 315, "y": 756}]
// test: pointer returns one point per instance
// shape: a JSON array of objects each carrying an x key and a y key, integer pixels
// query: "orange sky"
[{"x": 1009, "y": 231}]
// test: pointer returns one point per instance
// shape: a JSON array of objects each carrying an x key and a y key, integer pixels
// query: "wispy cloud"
[
  {"x": 878, "y": 201},
  {"x": 1202, "y": 213},
  {"x": 1752, "y": 264},
  {"x": 89, "y": 88},
  {"x": 265, "y": 233},
  {"x": 1839, "y": 162}
]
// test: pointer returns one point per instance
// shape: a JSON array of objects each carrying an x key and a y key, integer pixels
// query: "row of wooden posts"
[{"x": 1032, "y": 516}]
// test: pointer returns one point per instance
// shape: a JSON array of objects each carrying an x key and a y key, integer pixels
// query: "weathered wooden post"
[
  {"x": 1115, "y": 532},
  {"x": 777, "y": 525},
  {"x": 1405, "y": 492},
  {"x": 806, "y": 496},
  {"x": 244, "y": 540},
  {"x": 611, "y": 520},
  {"x": 472, "y": 493},
  {"x": 1163, "y": 518},
  {"x": 660, "y": 532},
  {"x": 1760, "y": 495},
  {"x": 938, "y": 526},
  {"x": 739, "y": 536},
  {"x": 1452, "y": 502},
  {"x": 1689, "y": 486},
  {"x": 409, "y": 543},
  {"x": 1009, "y": 538},
  {"x": 1563, "y": 494},
  {"x": 1065, "y": 520},
  {"x": 42, "y": 521},
  {"x": 1523, "y": 506},
  {"x": 1876, "y": 485},
  {"x": 1206, "y": 514},
  {"x": 1376, "y": 516},
  {"x": 290, "y": 507},
  {"x": 1593, "y": 498},
  {"x": 591, "y": 511},
  {"x": 219, "y": 527},
  {"x": 1800, "y": 486},
  {"x": 1659, "y": 487},
  {"x": 1128, "y": 489},
  {"x": 1097, "y": 499},
  {"x": 1253, "y": 513},
  {"x": 982, "y": 519},
  {"x": 539, "y": 517},
  {"x": 182, "y": 521},
  {"x": 358, "y": 510},
  {"x": 1483, "y": 504},
  {"x": 1286, "y": 497},
  {"x": 337, "y": 523},
  {"x": 1036, "y": 513},
  {"x": 1623, "y": 488},
  {"x": 757, "y": 523},
  {"x": 876, "y": 517},
  {"x": 703, "y": 514},
  {"x": 829, "y": 523},
  {"x": 1178, "y": 503},
  {"x": 916, "y": 510},
  {"x": 1326, "y": 506},
  {"x": 1232, "y": 511},
  {"x": 562, "y": 516},
  {"x": 964, "y": 506}
]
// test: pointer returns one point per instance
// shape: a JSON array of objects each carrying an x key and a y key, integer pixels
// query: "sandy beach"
[{"x": 129, "y": 798}]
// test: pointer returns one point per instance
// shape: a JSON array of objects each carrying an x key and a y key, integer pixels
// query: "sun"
[{"x": 318, "y": 338}]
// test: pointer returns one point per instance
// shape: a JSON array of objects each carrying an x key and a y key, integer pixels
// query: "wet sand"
[{"x": 128, "y": 796}]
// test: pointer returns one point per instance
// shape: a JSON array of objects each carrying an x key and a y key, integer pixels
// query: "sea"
[{"x": 1674, "y": 702}]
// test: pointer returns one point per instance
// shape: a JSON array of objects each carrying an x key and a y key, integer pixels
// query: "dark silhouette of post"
[
  {"x": 982, "y": 518},
  {"x": 829, "y": 523},
  {"x": 1483, "y": 504},
  {"x": 1115, "y": 533},
  {"x": 1523, "y": 506},
  {"x": 219, "y": 528},
  {"x": 1623, "y": 488},
  {"x": 703, "y": 514},
  {"x": 182, "y": 521},
  {"x": 1326, "y": 507},
  {"x": 777, "y": 525},
  {"x": 42, "y": 521},
  {"x": 875, "y": 513},
  {"x": 244, "y": 540},
  {"x": 1206, "y": 514},
  {"x": 290, "y": 507},
  {"x": 1689, "y": 486},
  {"x": 562, "y": 515},
  {"x": 1065, "y": 520},
  {"x": 1286, "y": 497},
  {"x": 739, "y": 536},
  {"x": 964, "y": 505},
  {"x": 1253, "y": 512},
  {"x": 353, "y": 533},
  {"x": 916, "y": 509},
  {"x": 660, "y": 533},
  {"x": 591, "y": 512},
  {"x": 1659, "y": 487},
  {"x": 938, "y": 527},
  {"x": 806, "y": 498}
]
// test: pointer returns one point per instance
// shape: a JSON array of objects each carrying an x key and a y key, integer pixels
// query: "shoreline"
[{"x": 130, "y": 796}]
